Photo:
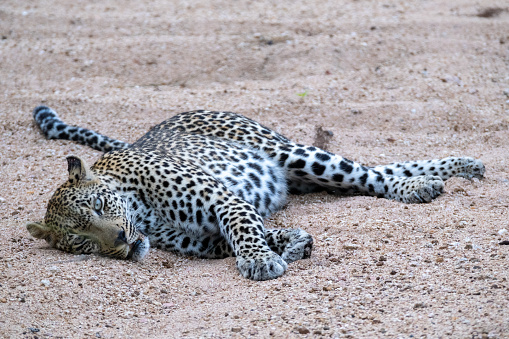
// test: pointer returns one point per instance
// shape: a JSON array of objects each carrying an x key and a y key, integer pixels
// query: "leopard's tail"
[{"x": 54, "y": 128}]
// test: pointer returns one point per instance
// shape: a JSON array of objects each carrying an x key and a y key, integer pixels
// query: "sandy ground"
[{"x": 393, "y": 80}]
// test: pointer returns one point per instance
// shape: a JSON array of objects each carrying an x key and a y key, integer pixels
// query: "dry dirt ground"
[{"x": 393, "y": 80}]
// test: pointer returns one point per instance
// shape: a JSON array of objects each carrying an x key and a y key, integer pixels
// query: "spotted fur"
[{"x": 200, "y": 184}]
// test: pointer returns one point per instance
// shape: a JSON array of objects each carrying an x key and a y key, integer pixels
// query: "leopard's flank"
[{"x": 201, "y": 182}]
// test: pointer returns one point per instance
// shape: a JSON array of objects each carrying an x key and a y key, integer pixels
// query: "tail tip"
[{"x": 42, "y": 112}]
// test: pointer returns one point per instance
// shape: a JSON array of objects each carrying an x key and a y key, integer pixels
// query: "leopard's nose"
[{"x": 121, "y": 239}]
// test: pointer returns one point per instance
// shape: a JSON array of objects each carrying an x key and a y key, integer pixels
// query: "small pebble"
[
  {"x": 502, "y": 231},
  {"x": 53, "y": 269},
  {"x": 236, "y": 329},
  {"x": 302, "y": 330},
  {"x": 45, "y": 282},
  {"x": 351, "y": 246}
]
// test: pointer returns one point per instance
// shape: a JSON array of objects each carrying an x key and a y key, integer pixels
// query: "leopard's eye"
[{"x": 98, "y": 204}]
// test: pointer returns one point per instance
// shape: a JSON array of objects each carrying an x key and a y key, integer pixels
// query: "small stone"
[
  {"x": 461, "y": 224},
  {"x": 419, "y": 305},
  {"x": 2, "y": 200},
  {"x": 302, "y": 330},
  {"x": 45, "y": 282},
  {"x": 3, "y": 300},
  {"x": 502, "y": 231},
  {"x": 236, "y": 329},
  {"x": 351, "y": 246},
  {"x": 393, "y": 272},
  {"x": 380, "y": 263},
  {"x": 382, "y": 258},
  {"x": 167, "y": 264},
  {"x": 53, "y": 269}
]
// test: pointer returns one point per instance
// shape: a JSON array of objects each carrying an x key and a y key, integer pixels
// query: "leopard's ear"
[
  {"x": 38, "y": 230},
  {"x": 78, "y": 170}
]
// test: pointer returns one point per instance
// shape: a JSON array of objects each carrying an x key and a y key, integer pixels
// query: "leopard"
[{"x": 201, "y": 184}]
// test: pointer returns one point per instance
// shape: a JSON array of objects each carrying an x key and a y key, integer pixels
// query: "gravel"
[{"x": 388, "y": 81}]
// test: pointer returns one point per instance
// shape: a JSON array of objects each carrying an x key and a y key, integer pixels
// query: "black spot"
[
  {"x": 297, "y": 164},
  {"x": 389, "y": 171},
  {"x": 182, "y": 216},
  {"x": 300, "y": 173},
  {"x": 267, "y": 200},
  {"x": 407, "y": 173},
  {"x": 272, "y": 188},
  {"x": 44, "y": 115},
  {"x": 346, "y": 167},
  {"x": 255, "y": 179},
  {"x": 338, "y": 177},
  {"x": 185, "y": 242},
  {"x": 322, "y": 156},
  {"x": 300, "y": 151},
  {"x": 256, "y": 167},
  {"x": 363, "y": 179},
  {"x": 199, "y": 217},
  {"x": 317, "y": 168}
]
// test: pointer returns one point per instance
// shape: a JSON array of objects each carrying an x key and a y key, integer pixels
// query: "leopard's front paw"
[
  {"x": 299, "y": 246},
  {"x": 420, "y": 189},
  {"x": 470, "y": 168},
  {"x": 263, "y": 266}
]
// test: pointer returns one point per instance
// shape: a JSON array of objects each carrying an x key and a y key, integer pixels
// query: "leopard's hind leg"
[
  {"x": 309, "y": 168},
  {"x": 465, "y": 167}
]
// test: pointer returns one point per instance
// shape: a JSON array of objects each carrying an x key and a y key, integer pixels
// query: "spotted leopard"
[{"x": 201, "y": 182}]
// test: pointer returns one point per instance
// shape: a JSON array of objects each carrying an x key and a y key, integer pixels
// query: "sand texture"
[{"x": 392, "y": 80}]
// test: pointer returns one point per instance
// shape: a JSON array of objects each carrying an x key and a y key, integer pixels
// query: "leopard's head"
[{"x": 84, "y": 216}]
